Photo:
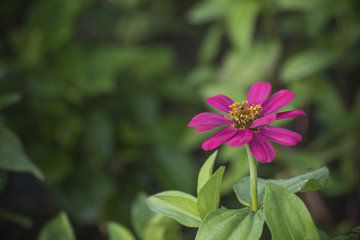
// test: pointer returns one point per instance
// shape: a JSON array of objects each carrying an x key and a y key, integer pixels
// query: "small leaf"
[
  {"x": 348, "y": 237},
  {"x": 173, "y": 168},
  {"x": 178, "y": 205},
  {"x": 206, "y": 171},
  {"x": 58, "y": 228},
  {"x": 310, "y": 181},
  {"x": 141, "y": 214},
  {"x": 238, "y": 67},
  {"x": 241, "y": 23},
  {"x": 305, "y": 63},
  {"x": 12, "y": 155},
  {"x": 323, "y": 236},
  {"x": 209, "y": 194},
  {"x": 9, "y": 99},
  {"x": 223, "y": 224},
  {"x": 287, "y": 216},
  {"x": 119, "y": 232},
  {"x": 298, "y": 5},
  {"x": 161, "y": 228},
  {"x": 208, "y": 10},
  {"x": 356, "y": 229},
  {"x": 211, "y": 44},
  {"x": 17, "y": 218}
]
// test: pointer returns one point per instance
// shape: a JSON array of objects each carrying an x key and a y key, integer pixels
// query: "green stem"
[{"x": 253, "y": 180}]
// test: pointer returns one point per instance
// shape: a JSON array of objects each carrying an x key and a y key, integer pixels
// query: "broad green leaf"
[
  {"x": 208, "y": 10},
  {"x": 209, "y": 194},
  {"x": 178, "y": 205},
  {"x": 161, "y": 228},
  {"x": 119, "y": 232},
  {"x": 206, "y": 171},
  {"x": 12, "y": 155},
  {"x": 58, "y": 228},
  {"x": 305, "y": 63},
  {"x": 141, "y": 214},
  {"x": 311, "y": 181},
  {"x": 241, "y": 23},
  {"x": 9, "y": 99},
  {"x": 287, "y": 216},
  {"x": 223, "y": 224}
]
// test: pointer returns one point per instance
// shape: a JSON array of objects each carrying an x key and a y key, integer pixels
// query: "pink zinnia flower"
[{"x": 249, "y": 122}]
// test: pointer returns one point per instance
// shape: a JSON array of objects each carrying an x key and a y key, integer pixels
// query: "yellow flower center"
[{"x": 243, "y": 116}]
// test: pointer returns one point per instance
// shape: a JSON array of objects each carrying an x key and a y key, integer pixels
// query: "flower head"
[{"x": 248, "y": 122}]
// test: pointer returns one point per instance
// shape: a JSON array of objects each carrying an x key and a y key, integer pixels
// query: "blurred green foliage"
[{"x": 95, "y": 96}]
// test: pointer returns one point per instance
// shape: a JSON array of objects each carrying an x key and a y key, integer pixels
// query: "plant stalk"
[{"x": 253, "y": 180}]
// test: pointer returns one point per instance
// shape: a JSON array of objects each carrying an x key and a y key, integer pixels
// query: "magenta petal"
[
  {"x": 208, "y": 119},
  {"x": 220, "y": 102},
  {"x": 281, "y": 135},
  {"x": 277, "y": 101},
  {"x": 215, "y": 140},
  {"x": 290, "y": 114},
  {"x": 258, "y": 93},
  {"x": 240, "y": 138},
  {"x": 202, "y": 129},
  {"x": 264, "y": 120},
  {"x": 261, "y": 149}
]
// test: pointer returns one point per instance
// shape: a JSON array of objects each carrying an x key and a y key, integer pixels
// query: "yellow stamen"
[{"x": 243, "y": 117}]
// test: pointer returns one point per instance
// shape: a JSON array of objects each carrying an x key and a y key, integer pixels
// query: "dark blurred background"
[{"x": 96, "y": 95}]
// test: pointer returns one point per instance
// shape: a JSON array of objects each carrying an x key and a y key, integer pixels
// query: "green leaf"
[
  {"x": 206, "y": 171},
  {"x": 211, "y": 44},
  {"x": 223, "y": 224},
  {"x": 178, "y": 205},
  {"x": 287, "y": 216},
  {"x": 323, "y": 236},
  {"x": 141, "y": 214},
  {"x": 9, "y": 99},
  {"x": 174, "y": 169},
  {"x": 19, "y": 219},
  {"x": 298, "y": 5},
  {"x": 98, "y": 189},
  {"x": 348, "y": 237},
  {"x": 12, "y": 155},
  {"x": 209, "y": 194},
  {"x": 356, "y": 229},
  {"x": 161, "y": 228},
  {"x": 208, "y": 10},
  {"x": 310, "y": 181},
  {"x": 241, "y": 23},
  {"x": 58, "y": 228},
  {"x": 306, "y": 63},
  {"x": 119, "y": 232},
  {"x": 100, "y": 135},
  {"x": 239, "y": 66}
]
